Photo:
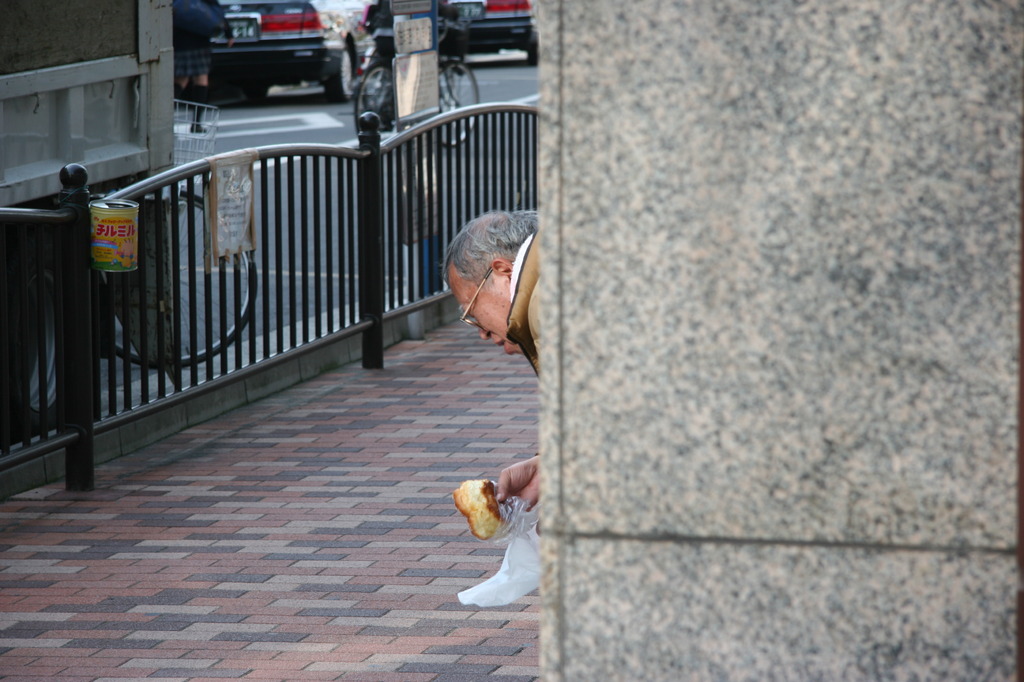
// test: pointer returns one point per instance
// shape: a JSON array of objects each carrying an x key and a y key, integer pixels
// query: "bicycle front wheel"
[
  {"x": 376, "y": 94},
  {"x": 214, "y": 301},
  {"x": 457, "y": 88}
]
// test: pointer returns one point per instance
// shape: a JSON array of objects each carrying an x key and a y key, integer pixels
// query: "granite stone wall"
[{"x": 780, "y": 285}]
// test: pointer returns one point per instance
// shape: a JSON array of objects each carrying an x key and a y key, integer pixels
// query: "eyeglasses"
[{"x": 469, "y": 306}]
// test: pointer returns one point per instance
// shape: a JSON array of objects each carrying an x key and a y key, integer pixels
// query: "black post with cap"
[
  {"x": 371, "y": 241},
  {"x": 79, "y": 457}
]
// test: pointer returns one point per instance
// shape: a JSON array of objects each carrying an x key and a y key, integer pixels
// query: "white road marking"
[{"x": 299, "y": 123}]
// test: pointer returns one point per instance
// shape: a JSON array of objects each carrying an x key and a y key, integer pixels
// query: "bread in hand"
[{"x": 475, "y": 499}]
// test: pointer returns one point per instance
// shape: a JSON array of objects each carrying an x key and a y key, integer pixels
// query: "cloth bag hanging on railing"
[{"x": 198, "y": 17}]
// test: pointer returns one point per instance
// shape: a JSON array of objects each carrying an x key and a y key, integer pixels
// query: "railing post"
[
  {"x": 371, "y": 233},
  {"x": 79, "y": 457}
]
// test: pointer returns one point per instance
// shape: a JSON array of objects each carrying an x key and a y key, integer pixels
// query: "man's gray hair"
[{"x": 497, "y": 234}]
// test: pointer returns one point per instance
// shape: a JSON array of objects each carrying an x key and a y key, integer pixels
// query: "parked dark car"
[
  {"x": 497, "y": 25},
  {"x": 286, "y": 42}
]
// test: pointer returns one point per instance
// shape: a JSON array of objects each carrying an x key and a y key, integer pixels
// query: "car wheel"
[
  {"x": 532, "y": 53},
  {"x": 339, "y": 87}
]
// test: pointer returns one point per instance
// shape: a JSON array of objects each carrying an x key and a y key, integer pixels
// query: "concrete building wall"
[
  {"x": 780, "y": 285},
  {"x": 37, "y": 34}
]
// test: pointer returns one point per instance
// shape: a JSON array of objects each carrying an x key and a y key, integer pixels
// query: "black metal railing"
[
  {"x": 45, "y": 357},
  {"x": 341, "y": 240}
]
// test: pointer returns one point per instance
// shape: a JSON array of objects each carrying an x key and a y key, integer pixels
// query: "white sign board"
[
  {"x": 410, "y": 6},
  {"x": 414, "y": 35},
  {"x": 416, "y": 89}
]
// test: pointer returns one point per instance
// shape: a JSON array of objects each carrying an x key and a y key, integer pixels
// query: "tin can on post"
[{"x": 115, "y": 235}]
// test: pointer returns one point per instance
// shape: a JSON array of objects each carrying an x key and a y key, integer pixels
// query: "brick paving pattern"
[{"x": 309, "y": 536}]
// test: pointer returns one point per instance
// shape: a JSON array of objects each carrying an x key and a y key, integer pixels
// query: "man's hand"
[{"x": 521, "y": 480}]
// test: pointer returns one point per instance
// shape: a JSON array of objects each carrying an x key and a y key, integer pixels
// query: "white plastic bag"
[{"x": 520, "y": 569}]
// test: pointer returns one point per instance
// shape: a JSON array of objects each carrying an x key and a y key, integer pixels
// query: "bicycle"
[
  {"x": 199, "y": 296},
  {"x": 457, "y": 86},
  {"x": 210, "y": 299},
  {"x": 212, "y": 304}
]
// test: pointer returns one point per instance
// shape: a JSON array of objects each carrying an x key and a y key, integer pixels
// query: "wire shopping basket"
[{"x": 195, "y": 130}]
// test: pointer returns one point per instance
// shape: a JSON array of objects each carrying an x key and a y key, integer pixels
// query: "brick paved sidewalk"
[{"x": 309, "y": 536}]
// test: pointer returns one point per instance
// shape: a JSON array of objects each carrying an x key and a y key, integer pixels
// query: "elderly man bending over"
[{"x": 492, "y": 267}]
